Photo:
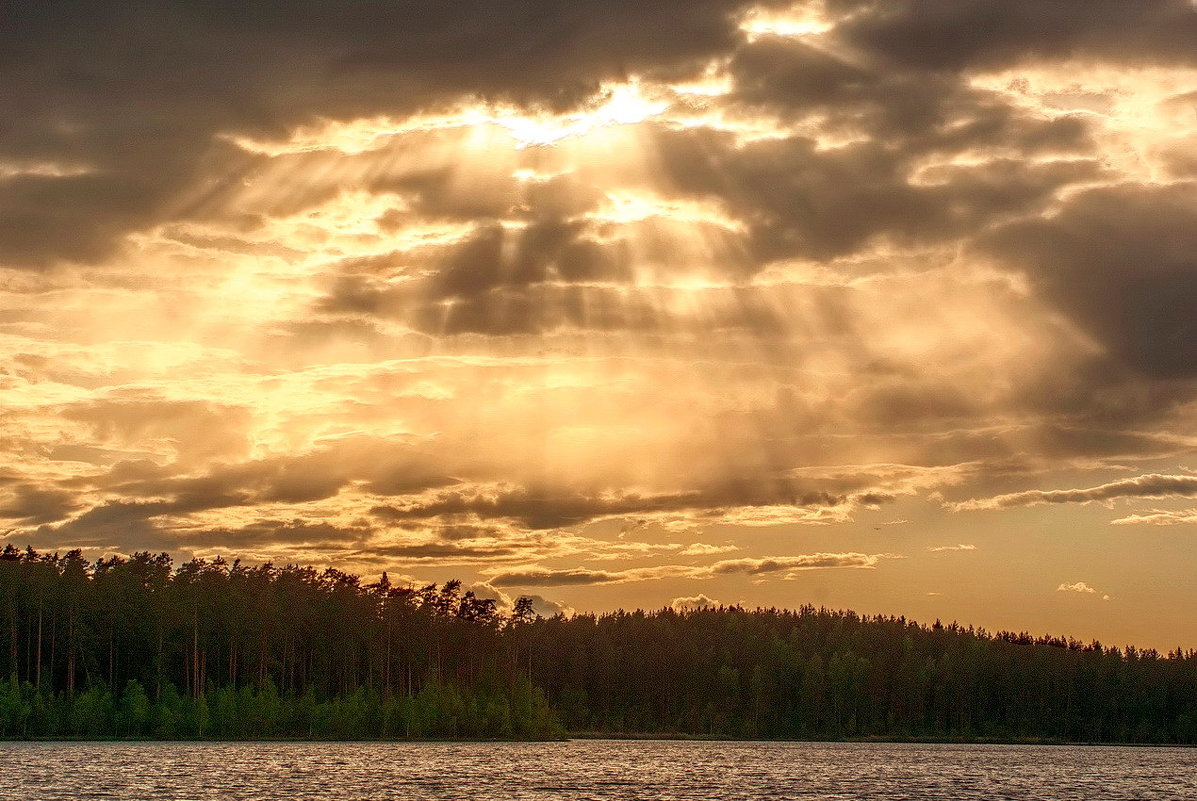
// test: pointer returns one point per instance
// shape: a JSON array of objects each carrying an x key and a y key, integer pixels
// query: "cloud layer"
[{"x": 531, "y": 288}]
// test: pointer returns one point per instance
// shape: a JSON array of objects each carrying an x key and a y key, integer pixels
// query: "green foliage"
[
  {"x": 246, "y": 713},
  {"x": 93, "y": 713},
  {"x": 133, "y": 716},
  {"x": 814, "y": 673},
  {"x": 137, "y": 648},
  {"x": 219, "y": 650}
]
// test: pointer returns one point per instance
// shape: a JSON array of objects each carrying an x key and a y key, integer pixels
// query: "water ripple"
[{"x": 589, "y": 770}]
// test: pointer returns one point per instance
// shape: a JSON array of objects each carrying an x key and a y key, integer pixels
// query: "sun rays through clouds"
[{"x": 596, "y": 298}]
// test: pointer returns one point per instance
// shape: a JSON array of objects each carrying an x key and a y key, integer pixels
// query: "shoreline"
[
  {"x": 650, "y": 737},
  {"x": 646, "y": 737}
]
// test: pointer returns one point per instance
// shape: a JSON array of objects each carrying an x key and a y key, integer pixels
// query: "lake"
[{"x": 693, "y": 771}]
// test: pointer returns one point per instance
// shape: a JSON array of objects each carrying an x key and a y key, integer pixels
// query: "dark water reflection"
[{"x": 589, "y": 770}]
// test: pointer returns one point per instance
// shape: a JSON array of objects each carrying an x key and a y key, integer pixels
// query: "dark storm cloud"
[
  {"x": 32, "y": 505},
  {"x": 558, "y": 272},
  {"x": 546, "y": 249},
  {"x": 124, "y": 525},
  {"x": 146, "y": 491},
  {"x": 149, "y": 493},
  {"x": 133, "y": 526},
  {"x": 1092, "y": 404},
  {"x": 268, "y": 532},
  {"x": 382, "y": 466},
  {"x": 543, "y": 508},
  {"x": 934, "y": 34},
  {"x": 1121, "y": 261},
  {"x": 444, "y": 553},
  {"x": 909, "y": 110},
  {"x": 550, "y": 507},
  {"x": 134, "y": 92},
  {"x": 806, "y": 201},
  {"x": 111, "y": 121}
]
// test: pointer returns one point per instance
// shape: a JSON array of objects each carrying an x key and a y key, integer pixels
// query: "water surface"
[{"x": 687, "y": 771}]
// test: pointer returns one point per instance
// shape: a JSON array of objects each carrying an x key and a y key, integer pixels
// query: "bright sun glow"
[
  {"x": 624, "y": 207},
  {"x": 799, "y": 21},
  {"x": 623, "y": 104},
  {"x": 615, "y": 105}
]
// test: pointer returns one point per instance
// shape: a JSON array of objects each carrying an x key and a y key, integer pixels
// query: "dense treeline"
[
  {"x": 820, "y": 674},
  {"x": 137, "y": 647}
]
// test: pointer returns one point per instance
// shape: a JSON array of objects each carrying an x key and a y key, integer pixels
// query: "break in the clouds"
[{"x": 525, "y": 289}]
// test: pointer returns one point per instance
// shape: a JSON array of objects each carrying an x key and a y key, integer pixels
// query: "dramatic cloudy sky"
[{"x": 882, "y": 304}]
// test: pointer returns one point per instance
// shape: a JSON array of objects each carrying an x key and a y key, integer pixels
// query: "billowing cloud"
[
  {"x": 1081, "y": 588},
  {"x": 28, "y": 504},
  {"x": 129, "y": 107},
  {"x": 578, "y": 294},
  {"x": 1120, "y": 262},
  {"x": 705, "y": 549},
  {"x": 927, "y": 34},
  {"x": 689, "y": 603},
  {"x": 545, "y": 607}
]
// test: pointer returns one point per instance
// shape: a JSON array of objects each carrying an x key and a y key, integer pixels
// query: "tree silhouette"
[{"x": 139, "y": 647}]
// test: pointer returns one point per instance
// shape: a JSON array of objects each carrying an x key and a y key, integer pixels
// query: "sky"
[{"x": 887, "y": 305}]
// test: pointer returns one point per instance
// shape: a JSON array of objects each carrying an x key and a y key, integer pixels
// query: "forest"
[{"x": 139, "y": 647}]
